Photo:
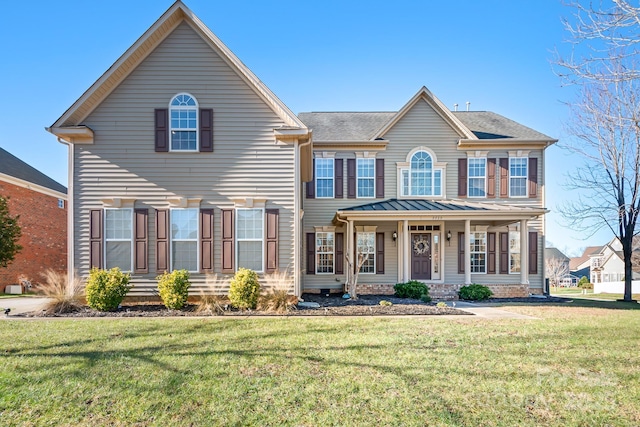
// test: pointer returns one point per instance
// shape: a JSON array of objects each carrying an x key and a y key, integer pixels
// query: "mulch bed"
[{"x": 333, "y": 305}]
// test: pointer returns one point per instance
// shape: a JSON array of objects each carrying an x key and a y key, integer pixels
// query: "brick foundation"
[
  {"x": 44, "y": 234},
  {"x": 444, "y": 291}
]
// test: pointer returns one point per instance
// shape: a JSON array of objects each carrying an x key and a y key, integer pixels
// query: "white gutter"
[{"x": 297, "y": 225}]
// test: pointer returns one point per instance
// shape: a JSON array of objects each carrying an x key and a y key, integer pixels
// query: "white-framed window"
[
  {"x": 478, "y": 252},
  {"x": 422, "y": 178},
  {"x": 324, "y": 178},
  {"x": 477, "y": 177},
  {"x": 250, "y": 238},
  {"x": 366, "y": 247},
  {"x": 61, "y": 203},
  {"x": 514, "y": 251},
  {"x": 325, "y": 250},
  {"x": 118, "y": 238},
  {"x": 184, "y": 239},
  {"x": 518, "y": 174},
  {"x": 183, "y": 118},
  {"x": 366, "y": 178}
]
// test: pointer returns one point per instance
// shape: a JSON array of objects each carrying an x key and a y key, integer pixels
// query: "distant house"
[
  {"x": 607, "y": 264},
  {"x": 41, "y": 203},
  {"x": 184, "y": 159},
  {"x": 581, "y": 266},
  {"x": 557, "y": 268}
]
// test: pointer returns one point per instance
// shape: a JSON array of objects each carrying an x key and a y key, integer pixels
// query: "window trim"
[
  {"x": 373, "y": 254},
  {"x": 262, "y": 240},
  {"x": 470, "y": 177},
  {"x": 436, "y": 167},
  {"x": 106, "y": 239},
  {"x": 196, "y": 129},
  {"x": 197, "y": 239},
  {"x": 471, "y": 252},
  {"x": 525, "y": 177},
  {"x": 333, "y": 252},
  {"x": 333, "y": 177},
  {"x": 358, "y": 177}
]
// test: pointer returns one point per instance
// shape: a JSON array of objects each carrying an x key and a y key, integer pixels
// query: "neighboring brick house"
[
  {"x": 183, "y": 159},
  {"x": 41, "y": 203}
]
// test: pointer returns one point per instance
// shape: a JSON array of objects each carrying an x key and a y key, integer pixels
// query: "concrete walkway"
[
  {"x": 487, "y": 312},
  {"x": 20, "y": 305}
]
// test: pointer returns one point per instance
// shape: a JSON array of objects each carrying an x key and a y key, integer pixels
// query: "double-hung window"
[
  {"x": 183, "y": 111},
  {"x": 324, "y": 178},
  {"x": 478, "y": 252},
  {"x": 518, "y": 176},
  {"x": 325, "y": 250},
  {"x": 514, "y": 251},
  {"x": 250, "y": 238},
  {"x": 366, "y": 249},
  {"x": 477, "y": 172},
  {"x": 184, "y": 239},
  {"x": 366, "y": 173},
  {"x": 118, "y": 224}
]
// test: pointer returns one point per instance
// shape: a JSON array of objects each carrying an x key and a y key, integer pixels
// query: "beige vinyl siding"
[
  {"x": 421, "y": 126},
  {"x": 246, "y": 161}
]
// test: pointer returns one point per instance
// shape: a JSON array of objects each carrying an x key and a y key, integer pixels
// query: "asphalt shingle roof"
[
  {"x": 362, "y": 126},
  {"x": 13, "y": 166}
]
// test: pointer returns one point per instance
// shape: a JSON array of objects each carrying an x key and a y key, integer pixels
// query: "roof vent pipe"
[
  {"x": 468, "y": 103},
  {"x": 455, "y": 107}
]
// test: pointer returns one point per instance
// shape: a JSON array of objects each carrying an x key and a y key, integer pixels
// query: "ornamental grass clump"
[
  {"x": 278, "y": 296},
  {"x": 244, "y": 289},
  {"x": 213, "y": 299},
  {"x": 174, "y": 288},
  {"x": 106, "y": 288},
  {"x": 64, "y": 296}
]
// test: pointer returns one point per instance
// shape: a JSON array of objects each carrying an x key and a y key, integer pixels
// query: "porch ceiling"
[{"x": 423, "y": 209}]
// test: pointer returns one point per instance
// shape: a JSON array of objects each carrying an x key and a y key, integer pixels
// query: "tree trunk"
[{"x": 627, "y": 249}]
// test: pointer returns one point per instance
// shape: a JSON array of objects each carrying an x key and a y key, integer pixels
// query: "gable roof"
[
  {"x": 574, "y": 263},
  {"x": 555, "y": 253},
  {"x": 11, "y": 166},
  {"x": 72, "y": 119}
]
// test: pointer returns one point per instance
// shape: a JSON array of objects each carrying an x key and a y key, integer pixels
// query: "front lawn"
[{"x": 575, "y": 365}]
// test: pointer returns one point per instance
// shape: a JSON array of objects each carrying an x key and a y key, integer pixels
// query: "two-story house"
[{"x": 183, "y": 159}]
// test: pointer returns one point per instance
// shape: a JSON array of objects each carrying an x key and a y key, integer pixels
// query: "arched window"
[
  {"x": 422, "y": 178},
  {"x": 183, "y": 111}
]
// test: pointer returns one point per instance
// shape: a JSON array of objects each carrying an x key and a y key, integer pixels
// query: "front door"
[{"x": 421, "y": 256}]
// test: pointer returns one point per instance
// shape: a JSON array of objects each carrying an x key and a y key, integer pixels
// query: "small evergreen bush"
[
  {"x": 584, "y": 283},
  {"x": 474, "y": 292},
  {"x": 244, "y": 289},
  {"x": 411, "y": 289},
  {"x": 174, "y": 288},
  {"x": 106, "y": 289}
]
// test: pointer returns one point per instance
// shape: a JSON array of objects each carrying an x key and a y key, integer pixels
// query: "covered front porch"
[{"x": 450, "y": 243}]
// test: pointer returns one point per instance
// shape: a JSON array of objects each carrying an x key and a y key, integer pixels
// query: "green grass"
[
  {"x": 576, "y": 365},
  {"x": 6, "y": 296},
  {"x": 577, "y": 293}
]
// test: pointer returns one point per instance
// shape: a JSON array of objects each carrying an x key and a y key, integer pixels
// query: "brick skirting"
[{"x": 449, "y": 291}]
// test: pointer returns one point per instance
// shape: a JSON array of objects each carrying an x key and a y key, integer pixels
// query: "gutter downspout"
[
  {"x": 347, "y": 280},
  {"x": 297, "y": 245},
  {"x": 70, "y": 213}
]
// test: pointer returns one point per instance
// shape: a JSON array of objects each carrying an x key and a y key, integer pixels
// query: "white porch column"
[
  {"x": 406, "y": 244},
  {"x": 524, "y": 254},
  {"x": 467, "y": 252},
  {"x": 399, "y": 248}
]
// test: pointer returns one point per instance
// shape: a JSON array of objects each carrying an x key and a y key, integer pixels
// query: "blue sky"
[{"x": 315, "y": 56}]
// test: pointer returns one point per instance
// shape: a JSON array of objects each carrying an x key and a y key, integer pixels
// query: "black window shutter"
[
  {"x": 462, "y": 177},
  {"x": 533, "y": 252},
  {"x": 141, "y": 244},
  {"x": 162, "y": 240},
  {"x": 95, "y": 238},
  {"x": 338, "y": 181},
  {"x": 533, "y": 177},
  {"x": 161, "y": 130},
  {"x": 379, "y": 253},
  {"x": 491, "y": 253},
  {"x": 339, "y": 253},
  {"x": 379, "y": 178},
  {"x": 311, "y": 185},
  {"x": 206, "y": 240},
  {"x": 351, "y": 178},
  {"x": 206, "y": 130},
  {"x": 504, "y": 253},
  {"x": 272, "y": 239},
  {"x": 311, "y": 253},
  {"x": 228, "y": 236}
]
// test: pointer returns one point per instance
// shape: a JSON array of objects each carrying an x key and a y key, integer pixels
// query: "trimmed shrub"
[
  {"x": 584, "y": 283},
  {"x": 474, "y": 292},
  {"x": 244, "y": 289},
  {"x": 174, "y": 288},
  {"x": 425, "y": 298},
  {"x": 411, "y": 289},
  {"x": 106, "y": 289}
]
